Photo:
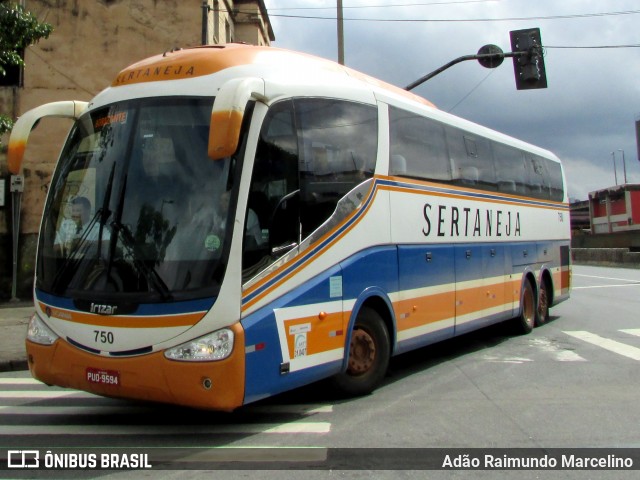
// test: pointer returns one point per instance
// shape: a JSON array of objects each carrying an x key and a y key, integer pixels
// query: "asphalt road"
[{"x": 574, "y": 382}]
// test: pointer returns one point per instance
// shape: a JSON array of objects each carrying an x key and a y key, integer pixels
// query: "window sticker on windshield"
[{"x": 119, "y": 117}]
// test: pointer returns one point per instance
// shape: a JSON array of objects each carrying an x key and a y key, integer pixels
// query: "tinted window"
[
  {"x": 471, "y": 159},
  {"x": 511, "y": 173},
  {"x": 555, "y": 178},
  {"x": 417, "y": 147},
  {"x": 338, "y": 143}
]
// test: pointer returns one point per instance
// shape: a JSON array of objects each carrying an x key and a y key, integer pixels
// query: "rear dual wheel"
[
  {"x": 544, "y": 298},
  {"x": 528, "y": 309}
]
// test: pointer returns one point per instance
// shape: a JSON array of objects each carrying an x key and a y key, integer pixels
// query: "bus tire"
[
  {"x": 369, "y": 353},
  {"x": 526, "y": 320},
  {"x": 542, "y": 314}
]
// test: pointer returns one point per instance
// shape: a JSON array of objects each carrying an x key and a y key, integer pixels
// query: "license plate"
[{"x": 103, "y": 377}]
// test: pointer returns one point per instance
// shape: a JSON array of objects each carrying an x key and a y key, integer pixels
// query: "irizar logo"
[{"x": 103, "y": 309}]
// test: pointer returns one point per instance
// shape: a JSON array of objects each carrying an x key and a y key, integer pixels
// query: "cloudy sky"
[{"x": 587, "y": 112}]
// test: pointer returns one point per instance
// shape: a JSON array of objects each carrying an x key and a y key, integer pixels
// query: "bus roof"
[{"x": 207, "y": 60}]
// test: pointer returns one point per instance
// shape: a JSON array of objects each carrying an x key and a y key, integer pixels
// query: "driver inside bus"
[{"x": 74, "y": 228}]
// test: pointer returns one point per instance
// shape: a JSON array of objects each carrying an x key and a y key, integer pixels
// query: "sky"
[{"x": 587, "y": 112}]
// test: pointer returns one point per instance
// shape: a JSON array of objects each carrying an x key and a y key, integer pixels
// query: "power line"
[
  {"x": 471, "y": 91},
  {"x": 359, "y": 7},
  {"x": 633, "y": 45},
  {"x": 463, "y": 20}
]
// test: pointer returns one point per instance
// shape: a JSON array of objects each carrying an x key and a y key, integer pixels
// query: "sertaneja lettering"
[{"x": 470, "y": 222}]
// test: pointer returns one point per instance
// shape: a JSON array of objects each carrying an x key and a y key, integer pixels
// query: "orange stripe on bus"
[
  {"x": 416, "y": 312},
  {"x": 462, "y": 196}
]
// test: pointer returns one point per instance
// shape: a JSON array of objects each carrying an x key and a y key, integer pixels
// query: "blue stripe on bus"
[
  {"x": 383, "y": 269},
  {"x": 143, "y": 309}
]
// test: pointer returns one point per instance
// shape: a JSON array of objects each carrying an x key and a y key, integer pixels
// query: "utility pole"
[
  {"x": 624, "y": 166},
  {"x": 340, "y": 34},
  {"x": 205, "y": 21}
]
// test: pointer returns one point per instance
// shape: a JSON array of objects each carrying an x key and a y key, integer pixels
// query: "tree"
[{"x": 18, "y": 30}]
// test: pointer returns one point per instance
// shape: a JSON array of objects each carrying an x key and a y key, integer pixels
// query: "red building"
[{"x": 615, "y": 209}]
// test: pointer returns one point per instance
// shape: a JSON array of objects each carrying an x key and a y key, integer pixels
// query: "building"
[
  {"x": 615, "y": 209},
  {"x": 614, "y": 220},
  {"x": 92, "y": 41}
]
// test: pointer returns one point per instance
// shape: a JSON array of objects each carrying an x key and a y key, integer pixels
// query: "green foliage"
[
  {"x": 18, "y": 30},
  {"x": 5, "y": 124}
]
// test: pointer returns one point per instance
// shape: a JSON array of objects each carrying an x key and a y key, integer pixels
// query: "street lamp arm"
[{"x": 486, "y": 56}]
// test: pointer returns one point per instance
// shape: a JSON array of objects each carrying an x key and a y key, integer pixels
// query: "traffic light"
[{"x": 528, "y": 67}]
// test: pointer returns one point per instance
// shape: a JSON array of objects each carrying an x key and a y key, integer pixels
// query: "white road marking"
[
  {"x": 20, "y": 381},
  {"x": 606, "y": 278},
  {"x": 607, "y": 286},
  {"x": 97, "y": 430},
  {"x": 131, "y": 409},
  {"x": 632, "y": 331},
  {"x": 35, "y": 394},
  {"x": 607, "y": 344}
]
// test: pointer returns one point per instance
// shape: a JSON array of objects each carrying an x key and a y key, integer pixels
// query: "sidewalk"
[{"x": 14, "y": 319}]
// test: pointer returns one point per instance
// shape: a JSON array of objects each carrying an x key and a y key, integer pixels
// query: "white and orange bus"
[{"x": 230, "y": 222}]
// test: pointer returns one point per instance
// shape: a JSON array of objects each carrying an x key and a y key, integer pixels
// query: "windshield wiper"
[
  {"x": 73, "y": 259},
  {"x": 105, "y": 213},
  {"x": 150, "y": 273}
]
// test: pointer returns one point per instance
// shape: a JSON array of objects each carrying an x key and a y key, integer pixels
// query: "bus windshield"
[{"x": 137, "y": 208}]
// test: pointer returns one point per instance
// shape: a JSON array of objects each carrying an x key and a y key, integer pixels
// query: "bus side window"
[
  {"x": 511, "y": 170},
  {"x": 539, "y": 186},
  {"x": 338, "y": 151},
  {"x": 555, "y": 178},
  {"x": 471, "y": 160},
  {"x": 417, "y": 147}
]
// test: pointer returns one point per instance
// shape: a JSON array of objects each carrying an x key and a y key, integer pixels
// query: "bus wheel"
[
  {"x": 525, "y": 321},
  {"x": 369, "y": 353},
  {"x": 543, "y": 304}
]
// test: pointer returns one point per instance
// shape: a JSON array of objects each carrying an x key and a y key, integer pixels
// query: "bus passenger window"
[
  {"x": 417, "y": 147},
  {"x": 511, "y": 172},
  {"x": 469, "y": 154},
  {"x": 339, "y": 142},
  {"x": 555, "y": 178},
  {"x": 538, "y": 177}
]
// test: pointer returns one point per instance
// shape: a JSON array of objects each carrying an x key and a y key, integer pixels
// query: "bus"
[{"x": 226, "y": 223}]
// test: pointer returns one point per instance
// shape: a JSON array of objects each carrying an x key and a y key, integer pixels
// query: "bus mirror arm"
[
  {"x": 23, "y": 126},
  {"x": 228, "y": 113}
]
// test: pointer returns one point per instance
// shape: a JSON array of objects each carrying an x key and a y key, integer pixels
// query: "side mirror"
[
  {"x": 228, "y": 113},
  {"x": 26, "y": 122}
]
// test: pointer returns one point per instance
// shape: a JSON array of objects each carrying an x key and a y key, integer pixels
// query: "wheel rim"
[
  {"x": 528, "y": 307},
  {"x": 543, "y": 306},
  {"x": 362, "y": 353}
]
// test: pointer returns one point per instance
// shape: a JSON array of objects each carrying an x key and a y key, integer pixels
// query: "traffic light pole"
[{"x": 486, "y": 60}]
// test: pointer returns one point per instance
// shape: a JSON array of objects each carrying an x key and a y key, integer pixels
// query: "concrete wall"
[{"x": 606, "y": 257}]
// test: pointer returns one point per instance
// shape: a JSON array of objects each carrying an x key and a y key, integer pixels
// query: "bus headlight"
[
  {"x": 214, "y": 346},
  {"x": 38, "y": 332}
]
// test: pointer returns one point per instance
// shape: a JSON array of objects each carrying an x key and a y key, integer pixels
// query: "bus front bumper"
[{"x": 215, "y": 385}]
